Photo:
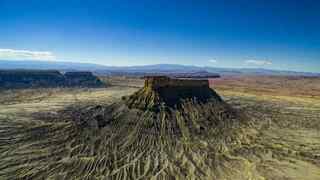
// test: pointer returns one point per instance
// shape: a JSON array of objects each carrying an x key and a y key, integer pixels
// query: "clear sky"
[{"x": 273, "y": 34}]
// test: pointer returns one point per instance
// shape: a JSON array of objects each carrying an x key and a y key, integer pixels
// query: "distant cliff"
[
  {"x": 82, "y": 79},
  {"x": 47, "y": 78}
]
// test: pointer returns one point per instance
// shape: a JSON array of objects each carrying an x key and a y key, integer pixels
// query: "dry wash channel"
[{"x": 169, "y": 129}]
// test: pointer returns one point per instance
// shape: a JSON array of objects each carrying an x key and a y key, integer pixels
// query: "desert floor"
[{"x": 285, "y": 110}]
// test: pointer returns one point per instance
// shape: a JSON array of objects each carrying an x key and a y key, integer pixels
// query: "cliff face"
[
  {"x": 82, "y": 79},
  {"x": 159, "y": 90},
  {"x": 155, "y": 82},
  {"x": 30, "y": 78},
  {"x": 47, "y": 78}
]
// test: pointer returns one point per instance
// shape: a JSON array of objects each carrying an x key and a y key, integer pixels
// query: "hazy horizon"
[{"x": 270, "y": 35}]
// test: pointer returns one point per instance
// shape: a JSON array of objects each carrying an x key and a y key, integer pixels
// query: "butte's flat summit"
[{"x": 171, "y": 92}]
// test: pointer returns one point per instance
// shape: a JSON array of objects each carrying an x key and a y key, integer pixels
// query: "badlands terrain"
[{"x": 264, "y": 127}]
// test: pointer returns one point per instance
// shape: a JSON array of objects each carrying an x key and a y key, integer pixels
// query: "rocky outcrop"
[
  {"x": 81, "y": 79},
  {"x": 46, "y": 79},
  {"x": 159, "y": 90},
  {"x": 156, "y": 82}
]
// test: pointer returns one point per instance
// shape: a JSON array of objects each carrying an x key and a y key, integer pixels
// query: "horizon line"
[{"x": 141, "y": 65}]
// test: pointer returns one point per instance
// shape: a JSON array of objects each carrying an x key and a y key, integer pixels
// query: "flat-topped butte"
[
  {"x": 47, "y": 79},
  {"x": 159, "y": 90},
  {"x": 154, "y": 82}
]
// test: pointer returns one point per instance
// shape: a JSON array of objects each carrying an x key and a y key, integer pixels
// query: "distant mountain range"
[{"x": 142, "y": 70}]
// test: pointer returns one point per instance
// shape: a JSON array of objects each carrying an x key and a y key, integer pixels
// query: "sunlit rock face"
[{"x": 159, "y": 90}]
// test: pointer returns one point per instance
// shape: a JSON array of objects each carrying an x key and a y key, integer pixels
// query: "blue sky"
[{"x": 231, "y": 33}]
